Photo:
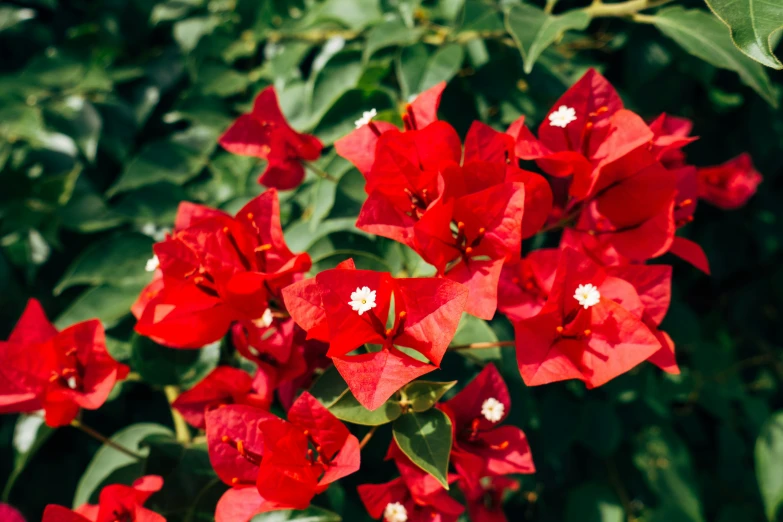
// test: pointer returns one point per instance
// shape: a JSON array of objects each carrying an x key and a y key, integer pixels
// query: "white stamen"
[
  {"x": 152, "y": 264},
  {"x": 492, "y": 409},
  {"x": 366, "y": 118},
  {"x": 362, "y": 299},
  {"x": 562, "y": 116},
  {"x": 265, "y": 320},
  {"x": 395, "y": 512},
  {"x": 587, "y": 295}
]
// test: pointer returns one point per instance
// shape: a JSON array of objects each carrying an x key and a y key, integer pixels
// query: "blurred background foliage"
[{"x": 109, "y": 116}]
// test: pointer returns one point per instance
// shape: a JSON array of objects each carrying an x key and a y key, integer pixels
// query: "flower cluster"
[{"x": 616, "y": 189}]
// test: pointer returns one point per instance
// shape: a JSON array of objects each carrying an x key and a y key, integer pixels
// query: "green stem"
[
  {"x": 481, "y": 346},
  {"x": 104, "y": 439},
  {"x": 598, "y": 9},
  {"x": 318, "y": 171},
  {"x": 180, "y": 426}
]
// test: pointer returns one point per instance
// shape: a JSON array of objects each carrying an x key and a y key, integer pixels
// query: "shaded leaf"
[
  {"x": 426, "y": 439},
  {"x": 752, "y": 24}
]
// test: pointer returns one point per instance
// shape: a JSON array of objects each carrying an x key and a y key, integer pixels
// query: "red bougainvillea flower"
[
  {"x": 117, "y": 503},
  {"x": 481, "y": 446},
  {"x": 414, "y": 497},
  {"x": 265, "y": 133},
  {"x": 348, "y": 308},
  {"x": 273, "y": 464},
  {"x": 216, "y": 270},
  {"x": 59, "y": 372},
  {"x": 731, "y": 184},
  {"x": 9, "y": 514},
  {"x": 358, "y": 147},
  {"x": 653, "y": 283},
  {"x": 224, "y": 385},
  {"x": 485, "y": 502},
  {"x": 586, "y": 130},
  {"x": 590, "y": 328},
  {"x": 524, "y": 284},
  {"x": 305, "y": 454}
]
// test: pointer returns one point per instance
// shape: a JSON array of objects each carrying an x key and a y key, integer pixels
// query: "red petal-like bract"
[
  {"x": 730, "y": 185},
  {"x": 59, "y": 372},
  {"x": 595, "y": 344},
  {"x": 9, "y": 514},
  {"x": 116, "y": 502},
  {"x": 265, "y": 133}
]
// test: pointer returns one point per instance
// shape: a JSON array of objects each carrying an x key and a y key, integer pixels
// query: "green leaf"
[
  {"x": 118, "y": 261},
  {"x": 534, "y": 30},
  {"x": 391, "y": 33},
  {"x": 426, "y": 439},
  {"x": 593, "y": 502},
  {"x": 189, "y": 32},
  {"x": 30, "y": 433},
  {"x": 705, "y": 37},
  {"x": 104, "y": 302},
  {"x": 10, "y": 16},
  {"x": 161, "y": 366},
  {"x": 751, "y": 24},
  {"x": 311, "y": 514},
  {"x": 300, "y": 238},
  {"x": 474, "y": 330},
  {"x": 423, "y": 395},
  {"x": 769, "y": 464},
  {"x": 665, "y": 461},
  {"x": 111, "y": 466},
  {"x": 442, "y": 66}
]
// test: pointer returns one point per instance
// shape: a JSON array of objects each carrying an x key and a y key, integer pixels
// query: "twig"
[
  {"x": 598, "y": 9},
  {"x": 481, "y": 346},
  {"x": 367, "y": 437},
  {"x": 105, "y": 440},
  {"x": 180, "y": 426},
  {"x": 622, "y": 494},
  {"x": 318, "y": 171}
]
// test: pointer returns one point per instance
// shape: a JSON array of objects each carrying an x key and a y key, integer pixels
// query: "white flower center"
[
  {"x": 366, "y": 118},
  {"x": 562, "y": 116},
  {"x": 152, "y": 264},
  {"x": 362, "y": 299},
  {"x": 265, "y": 320},
  {"x": 492, "y": 409},
  {"x": 587, "y": 295},
  {"x": 395, "y": 512}
]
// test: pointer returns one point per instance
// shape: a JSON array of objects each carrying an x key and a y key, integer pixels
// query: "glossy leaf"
[
  {"x": 752, "y": 25},
  {"x": 426, "y": 439},
  {"x": 423, "y": 395},
  {"x": 769, "y": 455}
]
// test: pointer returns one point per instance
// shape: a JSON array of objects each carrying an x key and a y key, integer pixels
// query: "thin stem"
[
  {"x": 367, "y": 437},
  {"x": 481, "y": 346},
  {"x": 180, "y": 426},
  {"x": 622, "y": 494},
  {"x": 105, "y": 440},
  {"x": 318, "y": 171},
  {"x": 550, "y": 5},
  {"x": 598, "y": 9}
]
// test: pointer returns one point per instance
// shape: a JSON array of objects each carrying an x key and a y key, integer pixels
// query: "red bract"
[
  {"x": 481, "y": 446},
  {"x": 59, "y": 372},
  {"x": 216, "y": 270},
  {"x": 524, "y": 285},
  {"x": 485, "y": 502},
  {"x": 265, "y": 133},
  {"x": 9, "y": 514},
  {"x": 358, "y": 147},
  {"x": 348, "y": 308},
  {"x": 590, "y": 328},
  {"x": 117, "y": 503},
  {"x": 224, "y": 385},
  {"x": 414, "y": 497},
  {"x": 306, "y": 454},
  {"x": 275, "y": 464},
  {"x": 731, "y": 184}
]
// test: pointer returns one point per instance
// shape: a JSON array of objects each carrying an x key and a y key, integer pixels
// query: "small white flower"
[
  {"x": 362, "y": 299},
  {"x": 395, "y": 512},
  {"x": 492, "y": 409},
  {"x": 366, "y": 118},
  {"x": 71, "y": 382},
  {"x": 587, "y": 295},
  {"x": 152, "y": 264},
  {"x": 562, "y": 116},
  {"x": 265, "y": 320}
]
